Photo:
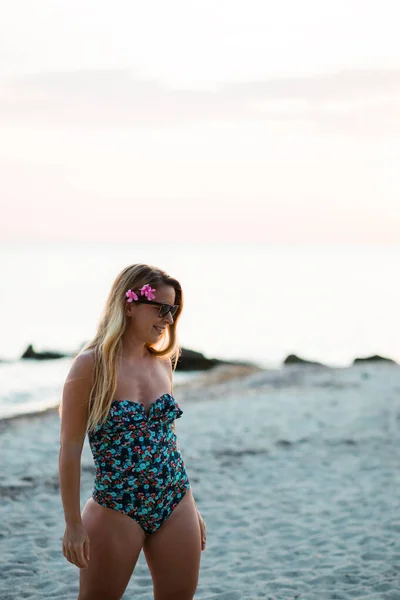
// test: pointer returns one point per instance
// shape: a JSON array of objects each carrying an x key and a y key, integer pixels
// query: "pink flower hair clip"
[
  {"x": 145, "y": 290},
  {"x": 131, "y": 296}
]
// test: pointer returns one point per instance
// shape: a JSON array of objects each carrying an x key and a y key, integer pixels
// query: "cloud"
[
  {"x": 104, "y": 99},
  {"x": 357, "y": 102}
]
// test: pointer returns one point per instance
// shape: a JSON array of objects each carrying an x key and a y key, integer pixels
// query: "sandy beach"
[{"x": 295, "y": 470}]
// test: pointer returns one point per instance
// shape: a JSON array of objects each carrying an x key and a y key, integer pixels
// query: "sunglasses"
[{"x": 164, "y": 307}]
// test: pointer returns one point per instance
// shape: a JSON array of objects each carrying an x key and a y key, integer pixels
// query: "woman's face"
[{"x": 144, "y": 320}]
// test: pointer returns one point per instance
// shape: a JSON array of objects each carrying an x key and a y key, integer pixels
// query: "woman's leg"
[
  {"x": 173, "y": 553},
  {"x": 115, "y": 541}
]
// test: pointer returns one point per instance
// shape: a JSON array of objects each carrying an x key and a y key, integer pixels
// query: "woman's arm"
[{"x": 74, "y": 414}]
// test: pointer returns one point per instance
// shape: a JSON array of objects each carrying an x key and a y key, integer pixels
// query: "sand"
[{"x": 295, "y": 471}]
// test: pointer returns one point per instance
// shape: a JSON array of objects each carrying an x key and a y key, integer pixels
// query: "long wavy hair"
[{"x": 107, "y": 343}]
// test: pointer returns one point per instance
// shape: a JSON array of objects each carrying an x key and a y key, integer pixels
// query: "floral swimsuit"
[{"x": 139, "y": 467}]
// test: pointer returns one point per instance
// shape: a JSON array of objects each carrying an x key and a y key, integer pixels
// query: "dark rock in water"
[
  {"x": 374, "y": 358},
  {"x": 292, "y": 359},
  {"x": 31, "y": 353},
  {"x": 189, "y": 360}
]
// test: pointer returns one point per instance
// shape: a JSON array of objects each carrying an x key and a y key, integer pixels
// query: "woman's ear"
[{"x": 129, "y": 309}]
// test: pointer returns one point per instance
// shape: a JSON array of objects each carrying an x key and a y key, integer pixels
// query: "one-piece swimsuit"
[{"x": 139, "y": 466}]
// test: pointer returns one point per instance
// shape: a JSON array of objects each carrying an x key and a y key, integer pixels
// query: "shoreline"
[
  {"x": 220, "y": 373},
  {"x": 222, "y": 377}
]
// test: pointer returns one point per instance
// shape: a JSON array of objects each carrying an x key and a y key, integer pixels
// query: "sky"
[{"x": 244, "y": 121}]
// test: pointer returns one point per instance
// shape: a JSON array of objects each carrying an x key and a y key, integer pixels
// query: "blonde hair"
[{"x": 107, "y": 343}]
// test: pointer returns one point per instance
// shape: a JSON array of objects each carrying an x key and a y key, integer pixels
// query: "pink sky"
[{"x": 135, "y": 138}]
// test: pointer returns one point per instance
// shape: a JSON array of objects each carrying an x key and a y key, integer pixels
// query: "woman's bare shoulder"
[
  {"x": 166, "y": 361},
  {"x": 74, "y": 407},
  {"x": 167, "y": 365},
  {"x": 83, "y": 365}
]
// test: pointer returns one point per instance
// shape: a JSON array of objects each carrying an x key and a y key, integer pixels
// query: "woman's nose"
[{"x": 169, "y": 318}]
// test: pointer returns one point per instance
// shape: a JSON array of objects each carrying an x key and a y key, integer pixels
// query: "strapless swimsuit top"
[{"x": 133, "y": 415}]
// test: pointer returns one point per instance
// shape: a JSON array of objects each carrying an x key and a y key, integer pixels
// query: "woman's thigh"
[
  {"x": 115, "y": 541},
  {"x": 173, "y": 553}
]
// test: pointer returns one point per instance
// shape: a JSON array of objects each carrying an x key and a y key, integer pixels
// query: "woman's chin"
[{"x": 154, "y": 337}]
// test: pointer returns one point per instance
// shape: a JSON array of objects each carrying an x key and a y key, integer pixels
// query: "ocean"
[{"x": 252, "y": 302}]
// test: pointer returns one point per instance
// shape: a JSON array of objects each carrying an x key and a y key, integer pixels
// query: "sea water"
[{"x": 253, "y": 302}]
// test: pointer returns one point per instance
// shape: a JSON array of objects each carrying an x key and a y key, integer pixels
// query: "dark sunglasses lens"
[{"x": 166, "y": 308}]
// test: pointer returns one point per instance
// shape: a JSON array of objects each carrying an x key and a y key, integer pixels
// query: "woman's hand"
[
  {"x": 76, "y": 546},
  {"x": 202, "y": 530}
]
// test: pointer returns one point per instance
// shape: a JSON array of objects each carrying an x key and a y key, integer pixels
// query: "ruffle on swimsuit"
[{"x": 165, "y": 408}]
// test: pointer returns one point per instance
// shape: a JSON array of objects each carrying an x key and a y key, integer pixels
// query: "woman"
[{"x": 142, "y": 497}]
